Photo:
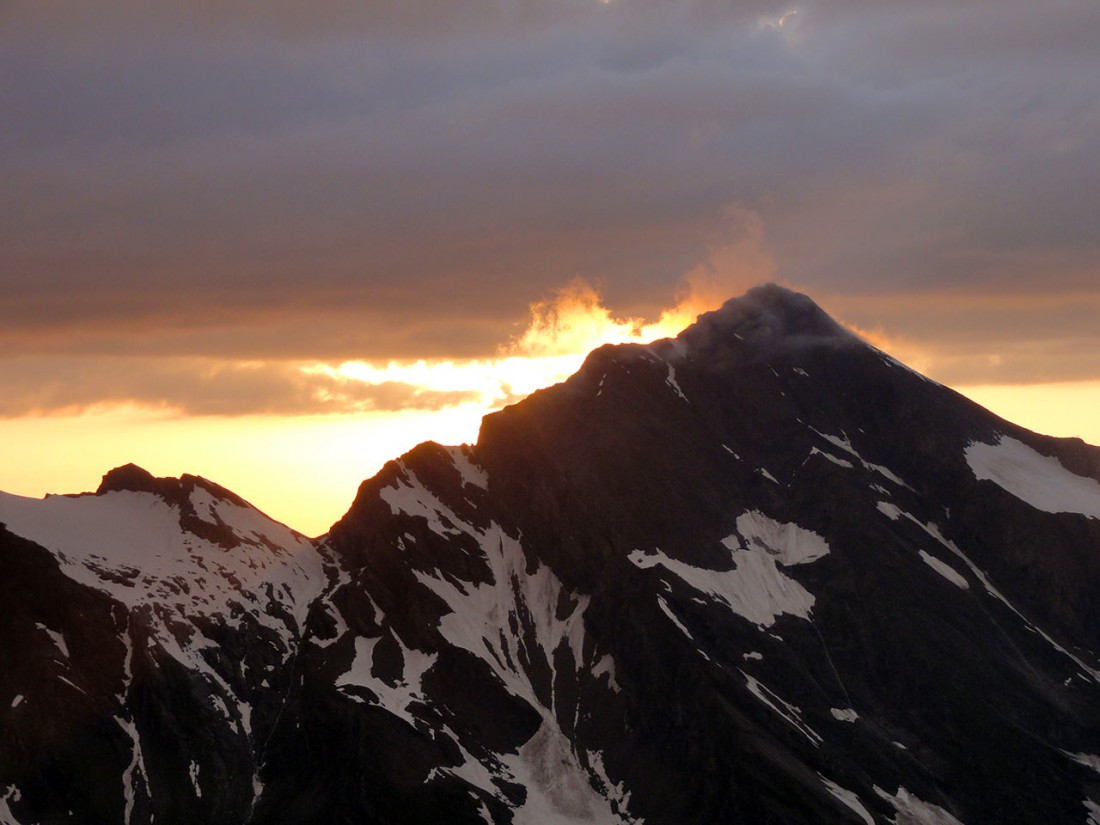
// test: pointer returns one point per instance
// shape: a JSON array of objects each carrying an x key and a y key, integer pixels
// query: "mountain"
[
  {"x": 145, "y": 637},
  {"x": 758, "y": 573}
]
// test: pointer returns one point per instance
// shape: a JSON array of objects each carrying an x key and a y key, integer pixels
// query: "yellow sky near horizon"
[
  {"x": 1067, "y": 409},
  {"x": 304, "y": 471}
]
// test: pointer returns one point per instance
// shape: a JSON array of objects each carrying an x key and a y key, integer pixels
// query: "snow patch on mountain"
[
  {"x": 338, "y": 577},
  {"x": 913, "y": 811},
  {"x": 559, "y": 789},
  {"x": 520, "y": 614},
  {"x": 756, "y": 588},
  {"x": 787, "y": 543},
  {"x": 1086, "y": 759},
  {"x": 471, "y": 473},
  {"x": 615, "y": 793},
  {"x": 57, "y": 639},
  {"x": 470, "y": 770},
  {"x": 359, "y": 673},
  {"x": 11, "y": 794},
  {"x": 945, "y": 570},
  {"x": 671, "y": 381},
  {"x": 844, "y": 443},
  {"x": 1032, "y": 477},
  {"x": 606, "y": 666},
  {"x": 408, "y": 496},
  {"x": 394, "y": 698},
  {"x": 676, "y": 621},
  {"x": 764, "y": 472},
  {"x": 193, "y": 772},
  {"x": 482, "y": 616},
  {"x": 135, "y": 770},
  {"x": 792, "y": 714},
  {"x": 133, "y": 546},
  {"x": 841, "y": 462},
  {"x": 248, "y": 524},
  {"x": 851, "y": 800}
]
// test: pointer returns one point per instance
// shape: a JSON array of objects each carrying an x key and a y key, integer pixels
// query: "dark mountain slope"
[
  {"x": 724, "y": 572},
  {"x": 759, "y": 573}
]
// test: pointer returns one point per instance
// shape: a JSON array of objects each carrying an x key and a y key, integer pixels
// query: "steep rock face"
[
  {"x": 758, "y": 573},
  {"x": 61, "y": 654},
  {"x": 454, "y": 659}
]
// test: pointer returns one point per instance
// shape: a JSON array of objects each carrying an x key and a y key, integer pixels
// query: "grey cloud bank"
[{"x": 400, "y": 180}]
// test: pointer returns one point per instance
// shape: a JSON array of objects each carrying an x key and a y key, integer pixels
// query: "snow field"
[
  {"x": 1039, "y": 480},
  {"x": 756, "y": 588}
]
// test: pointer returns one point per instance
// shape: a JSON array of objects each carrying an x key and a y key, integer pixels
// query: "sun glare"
[{"x": 562, "y": 331}]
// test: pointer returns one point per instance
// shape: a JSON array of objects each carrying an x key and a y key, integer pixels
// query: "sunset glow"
[
  {"x": 304, "y": 469},
  {"x": 1066, "y": 409},
  {"x": 276, "y": 248},
  {"x": 562, "y": 331}
]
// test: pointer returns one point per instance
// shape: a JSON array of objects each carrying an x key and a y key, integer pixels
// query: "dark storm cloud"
[{"x": 401, "y": 179}]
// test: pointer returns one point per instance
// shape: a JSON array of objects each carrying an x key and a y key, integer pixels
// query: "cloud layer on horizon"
[
  {"x": 389, "y": 180},
  {"x": 43, "y": 386}
]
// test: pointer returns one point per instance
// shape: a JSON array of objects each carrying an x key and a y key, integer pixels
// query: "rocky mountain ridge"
[{"x": 761, "y": 572}]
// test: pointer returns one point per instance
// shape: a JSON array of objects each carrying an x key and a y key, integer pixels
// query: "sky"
[{"x": 276, "y": 244}]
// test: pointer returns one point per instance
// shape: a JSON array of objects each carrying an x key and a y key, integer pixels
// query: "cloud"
[
  {"x": 959, "y": 339},
  {"x": 392, "y": 180},
  {"x": 198, "y": 387},
  {"x": 290, "y": 21},
  {"x": 562, "y": 329},
  {"x": 574, "y": 319}
]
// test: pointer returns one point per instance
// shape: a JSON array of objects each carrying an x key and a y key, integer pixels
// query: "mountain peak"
[
  {"x": 131, "y": 478},
  {"x": 770, "y": 317},
  {"x": 128, "y": 478}
]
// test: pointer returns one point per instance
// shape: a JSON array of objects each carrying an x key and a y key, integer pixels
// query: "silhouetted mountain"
[{"x": 759, "y": 573}]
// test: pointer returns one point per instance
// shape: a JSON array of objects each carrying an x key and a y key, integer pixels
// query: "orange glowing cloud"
[{"x": 571, "y": 322}]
